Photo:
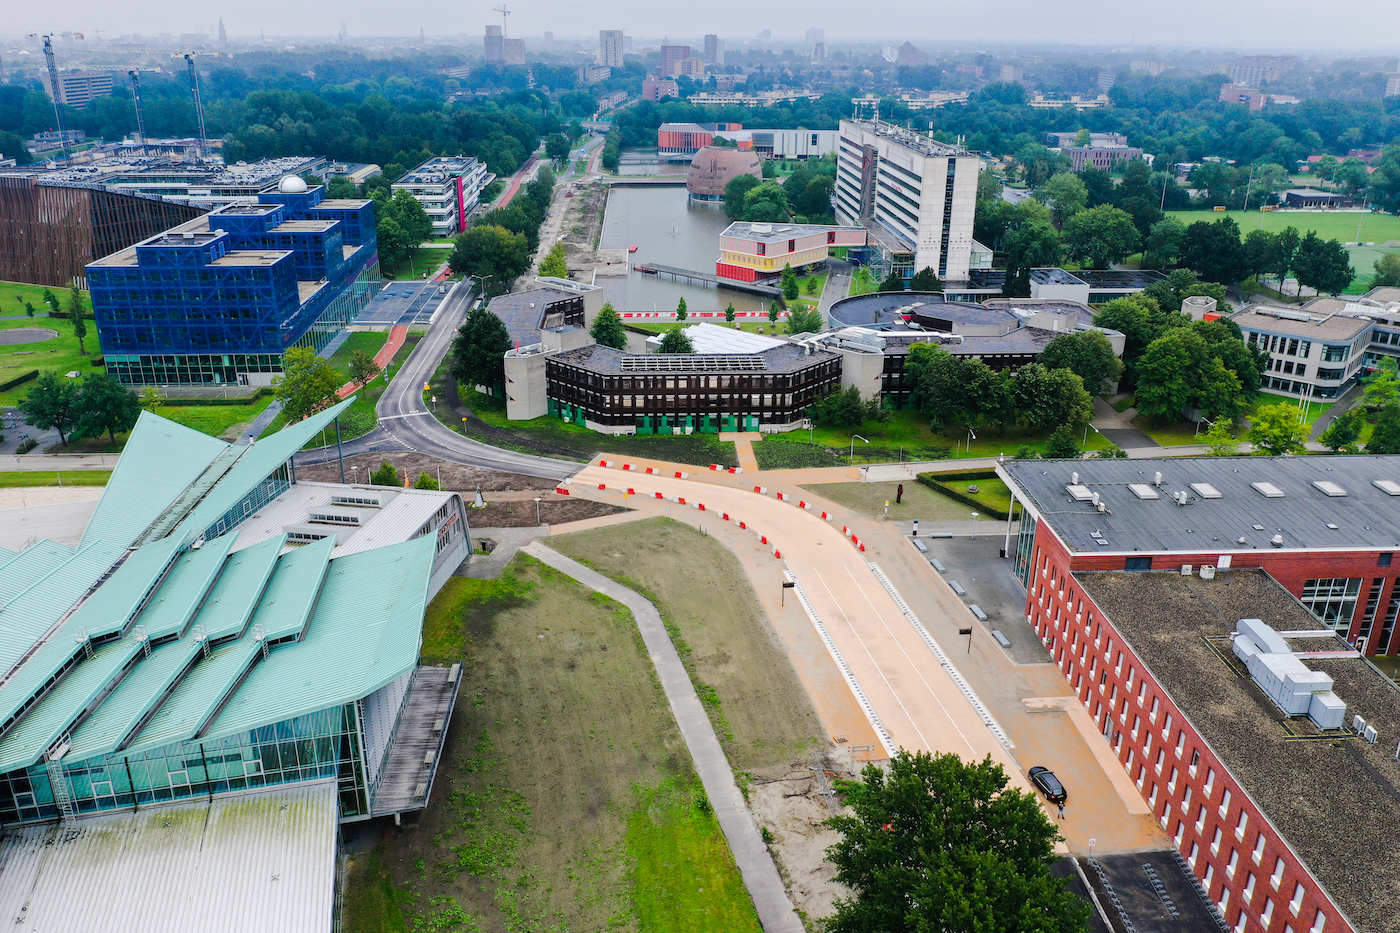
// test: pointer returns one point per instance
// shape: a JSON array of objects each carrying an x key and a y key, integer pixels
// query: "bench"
[
  {"x": 1001, "y": 639},
  {"x": 919, "y": 546},
  {"x": 937, "y": 565},
  {"x": 977, "y": 611},
  {"x": 957, "y": 587}
]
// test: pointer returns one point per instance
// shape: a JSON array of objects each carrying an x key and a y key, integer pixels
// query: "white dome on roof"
[{"x": 292, "y": 184}]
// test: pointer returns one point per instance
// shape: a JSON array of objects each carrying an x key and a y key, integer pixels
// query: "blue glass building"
[{"x": 219, "y": 299}]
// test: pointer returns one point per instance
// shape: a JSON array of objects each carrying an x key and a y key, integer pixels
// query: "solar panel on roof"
[
  {"x": 688, "y": 363},
  {"x": 1268, "y": 490}
]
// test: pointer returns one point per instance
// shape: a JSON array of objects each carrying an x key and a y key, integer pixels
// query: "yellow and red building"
[{"x": 752, "y": 251}]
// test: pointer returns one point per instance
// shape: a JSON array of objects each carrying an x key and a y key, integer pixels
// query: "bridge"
[
  {"x": 691, "y": 277},
  {"x": 645, "y": 181}
]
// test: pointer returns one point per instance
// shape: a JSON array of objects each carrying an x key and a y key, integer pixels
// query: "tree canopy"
[
  {"x": 1100, "y": 236},
  {"x": 52, "y": 404},
  {"x": 105, "y": 406},
  {"x": 1089, "y": 355},
  {"x": 479, "y": 349},
  {"x": 1278, "y": 429},
  {"x": 494, "y": 253},
  {"x": 676, "y": 341},
  {"x": 307, "y": 384},
  {"x": 607, "y": 328}
]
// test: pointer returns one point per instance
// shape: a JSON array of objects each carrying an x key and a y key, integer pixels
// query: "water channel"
[{"x": 667, "y": 228}]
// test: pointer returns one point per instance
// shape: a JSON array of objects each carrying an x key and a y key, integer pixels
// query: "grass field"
[
  {"x": 23, "y": 479},
  {"x": 739, "y": 670},
  {"x": 1330, "y": 225},
  {"x": 360, "y": 417},
  {"x": 869, "y": 499},
  {"x": 424, "y": 260},
  {"x": 991, "y": 491},
  {"x": 558, "y": 807},
  {"x": 1186, "y": 433},
  {"x": 59, "y": 354}
]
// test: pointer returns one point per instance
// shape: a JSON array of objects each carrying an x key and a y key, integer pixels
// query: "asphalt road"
[{"x": 406, "y": 424}]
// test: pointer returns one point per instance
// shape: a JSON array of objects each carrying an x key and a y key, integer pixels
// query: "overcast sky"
[{"x": 1336, "y": 26}]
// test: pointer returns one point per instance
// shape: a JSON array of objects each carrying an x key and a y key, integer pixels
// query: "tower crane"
[
  {"x": 198, "y": 104},
  {"x": 136, "y": 98},
  {"x": 53, "y": 85},
  {"x": 505, "y": 33}
]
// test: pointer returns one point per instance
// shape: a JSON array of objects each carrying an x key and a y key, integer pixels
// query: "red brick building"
[{"x": 1289, "y": 827}]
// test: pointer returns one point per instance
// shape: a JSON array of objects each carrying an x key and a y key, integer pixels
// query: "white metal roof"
[{"x": 711, "y": 338}]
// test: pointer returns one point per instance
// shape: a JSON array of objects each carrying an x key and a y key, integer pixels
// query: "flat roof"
[
  {"x": 523, "y": 312},
  {"x": 714, "y": 339},
  {"x": 304, "y": 226},
  {"x": 255, "y": 861},
  {"x": 1119, "y": 278},
  {"x": 786, "y": 358},
  {"x": 890, "y": 307},
  {"x": 250, "y": 257},
  {"x": 1320, "y": 324},
  {"x": 768, "y": 233},
  {"x": 1332, "y": 796},
  {"x": 1366, "y": 517}
]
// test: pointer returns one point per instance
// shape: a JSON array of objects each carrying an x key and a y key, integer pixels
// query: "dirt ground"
[
  {"x": 759, "y": 708},
  {"x": 919, "y": 501}
]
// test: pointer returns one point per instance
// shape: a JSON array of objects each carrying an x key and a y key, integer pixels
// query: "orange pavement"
[
  {"x": 911, "y": 693},
  {"x": 381, "y": 359}
]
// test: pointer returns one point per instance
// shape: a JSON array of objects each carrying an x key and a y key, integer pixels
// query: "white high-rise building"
[
  {"x": 610, "y": 44},
  {"x": 916, "y": 196}
]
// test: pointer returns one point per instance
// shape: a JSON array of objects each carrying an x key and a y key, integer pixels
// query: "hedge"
[
  {"x": 932, "y": 481},
  {"x": 184, "y": 402},
  {"x": 19, "y": 380}
]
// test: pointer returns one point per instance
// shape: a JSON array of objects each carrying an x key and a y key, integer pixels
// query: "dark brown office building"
[{"x": 49, "y": 233}]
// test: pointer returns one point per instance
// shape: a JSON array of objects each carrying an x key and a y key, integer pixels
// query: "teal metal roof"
[
  {"x": 83, "y": 686},
  {"x": 170, "y": 609},
  {"x": 34, "y": 562},
  {"x": 128, "y": 588},
  {"x": 160, "y": 460},
  {"x": 7, "y": 555},
  {"x": 226, "y": 609},
  {"x": 365, "y": 632},
  {"x": 198, "y": 696},
  {"x": 25, "y": 618},
  {"x": 291, "y": 593},
  {"x": 140, "y": 691},
  {"x": 258, "y": 462}
]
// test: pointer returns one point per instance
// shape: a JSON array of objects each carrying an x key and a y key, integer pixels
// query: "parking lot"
[{"x": 404, "y": 303}]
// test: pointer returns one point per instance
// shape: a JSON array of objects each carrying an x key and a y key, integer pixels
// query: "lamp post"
[
  {"x": 854, "y": 438},
  {"x": 480, "y": 278},
  {"x": 971, "y": 436},
  {"x": 537, "y": 510},
  {"x": 1087, "y": 428},
  {"x": 1198, "y": 425}
]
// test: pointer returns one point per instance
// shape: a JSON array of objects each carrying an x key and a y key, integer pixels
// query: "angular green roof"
[
  {"x": 198, "y": 697},
  {"x": 140, "y": 691},
  {"x": 43, "y": 725},
  {"x": 43, "y": 558},
  {"x": 286, "y": 604},
  {"x": 160, "y": 460},
  {"x": 28, "y": 616},
  {"x": 257, "y": 464},
  {"x": 172, "y": 606},
  {"x": 226, "y": 609},
  {"x": 365, "y": 632},
  {"x": 124, "y": 592},
  {"x": 7, "y": 555}
]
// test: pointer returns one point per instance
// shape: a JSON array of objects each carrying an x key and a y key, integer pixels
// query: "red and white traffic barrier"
[
  {"x": 658, "y": 495},
  {"x": 784, "y": 497},
  {"x": 680, "y": 499},
  {"x": 742, "y": 525},
  {"x": 736, "y": 470},
  {"x": 606, "y": 463},
  {"x": 715, "y": 466},
  {"x": 700, "y": 506},
  {"x": 803, "y": 504},
  {"x": 826, "y": 516},
  {"x": 628, "y": 466},
  {"x": 680, "y": 475},
  {"x": 761, "y": 490},
  {"x": 777, "y": 553},
  {"x": 763, "y": 539},
  {"x": 561, "y": 490}
]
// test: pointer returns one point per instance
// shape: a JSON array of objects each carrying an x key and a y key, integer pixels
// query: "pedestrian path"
[
  {"x": 397, "y": 335},
  {"x": 743, "y": 448},
  {"x": 755, "y": 863}
]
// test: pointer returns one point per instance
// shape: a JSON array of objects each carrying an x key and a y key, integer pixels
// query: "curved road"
[{"x": 406, "y": 424}]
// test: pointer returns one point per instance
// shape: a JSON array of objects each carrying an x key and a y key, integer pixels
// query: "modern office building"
[
  {"x": 752, "y": 251},
  {"x": 1252, "y": 72},
  {"x": 714, "y": 50},
  {"x": 1213, "y": 615},
  {"x": 1064, "y": 139},
  {"x": 713, "y": 168},
  {"x": 1148, "y": 66},
  {"x": 610, "y": 47},
  {"x": 449, "y": 188},
  {"x": 1242, "y": 94},
  {"x": 654, "y": 89},
  {"x": 79, "y": 88},
  {"x": 514, "y": 51},
  {"x": 218, "y": 300},
  {"x": 914, "y": 195},
  {"x": 681, "y": 139},
  {"x": 222, "y": 627},
  {"x": 1106, "y": 158},
  {"x": 672, "y": 57},
  {"x": 1320, "y": 349}
]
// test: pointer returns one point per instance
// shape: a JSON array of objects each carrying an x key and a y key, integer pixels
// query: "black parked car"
[{"x": 1045, "y": 781}]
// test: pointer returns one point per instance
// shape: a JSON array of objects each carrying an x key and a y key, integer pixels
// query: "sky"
[{"x": 1338, "y": 26}]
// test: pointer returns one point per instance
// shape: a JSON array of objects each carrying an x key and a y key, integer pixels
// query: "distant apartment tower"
[
  {"x": 818, "y": 53},
  {"x": 915, "y": 196},
  {"x": 610, "y": 44},
  {"x": 1392, "y": 86},
  {"x": 1107, "y": 78},
  {"x": 815, "y": 35},
  {"x": 1012, "y": 74},
  {"x": 1240, "y": 94},
  {"x": 77, "y": 88},
  {"x": 1251, "y": 72},
  {"x": 672, "y": 57},
  {"x": 515, "y": 51},
  {"x": 1147, "y": 66},
  {"x": 449, "y": 188},
  {"x": 713, "y": 54},
  {"x": 654, "y": 89},
  {"x": 495, "y": 42}
]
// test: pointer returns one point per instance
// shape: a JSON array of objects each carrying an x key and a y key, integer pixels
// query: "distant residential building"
[
  {"x": 449, "y": 188},
  {"x": 713, "y": 168},
  {"x": 971, "y": 71},
  {"x": 1012, "y": 74},
  {"x": 671, "y": 58},
  {"x": 1252, "y": 73},
  {"x": 934, "y": 99},
  {"x": 1101, "y": 157},
  {"x": 656, "y": 88},
  {"x": 1041, "y": 102},
  {"x": 610, "y": 45},
  {"x": 1106, "y": 80},
  {"x": 1065, "y": 138},
  {"x": 495, "y": 46},
  {"x": 514, "y": 51},
  {"x": 1239, "y": 94},
  {"x": 713, "y": 54},
  {"x": 761, "y": 99},
  {"x": 752, "y": 251},
  {"x": 1392, "y": 86},
  {"x": 593, "y": 74},
  {"x": 814, "y": 35},
  {"x": 78, "y": 88},
  {"x": 611, "y": 100},
  {"x": 914, "y": 195},
  {"x": 911, "y": 57},
  {"x": 1152, "y": 67},
  {"x": 818, "y": 53}
]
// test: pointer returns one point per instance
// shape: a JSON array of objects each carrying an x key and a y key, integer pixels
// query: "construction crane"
[
  {"x": 53, "y": 85},
  {"x": 198, "y": 105},
  {"x": 504, "y": 13},
  {"x": 136, "y": 98}
]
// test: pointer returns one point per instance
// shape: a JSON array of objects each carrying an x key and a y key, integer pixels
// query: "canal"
[{"x": 667, "y": 228}]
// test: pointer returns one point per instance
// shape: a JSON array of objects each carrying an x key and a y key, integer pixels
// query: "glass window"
[
  {"x": 1334, "y": 352},
  {"x": 1332, "y": 600}
]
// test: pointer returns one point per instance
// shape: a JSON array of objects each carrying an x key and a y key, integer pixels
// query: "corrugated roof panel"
[
  {"x": 7, "y": 555},
  {"x": 34, "y": 562},
  {"x": 113, "y": 606},
  {"x": 169, "y": 611},
  {"x": 226, "y": 609},
  {"x": 365, "y": 632},
  {"x": 141, "y": 689},
  {"x": 263, "y": 861},
  {"x": 198, "y": 696},
  {"x": 160, "y": 459},
  {"x": 260, "y": 460},
  {"x": 42, "y": 726},
  {"x": 291, "y": 593},
  {"x": 25, "y": 619}
]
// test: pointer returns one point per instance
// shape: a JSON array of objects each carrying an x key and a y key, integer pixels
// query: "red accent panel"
[{"x": 726, "y": 270}]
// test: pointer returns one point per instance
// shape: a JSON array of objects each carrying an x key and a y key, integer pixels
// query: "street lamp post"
[
  {"x": 854, "y": 437},
  {"x": 537, "y": 510},
  {"x": 480, "y": 278},
  {"x": 971, "y": 436},
  {"x": 1087, "y": 427}
]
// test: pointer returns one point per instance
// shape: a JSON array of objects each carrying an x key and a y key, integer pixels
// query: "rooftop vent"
[
  {"x": 1143, "y": 490},
  {"x": 359, "y": 497},
  {"x": 1268, "y": 490},
  {"x": 1296, "y": 689},
  {"x": 1329, "y": 488},
  {"x": 334, "y": 516},
  {"x": 1389, "y": 487},
  {"x": 1205, "y": 490}
]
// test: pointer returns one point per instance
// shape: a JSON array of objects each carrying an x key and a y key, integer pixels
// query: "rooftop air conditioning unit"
[
  {"x": 1207, "y": 571},
  {"x": 1186, "y": 570}
]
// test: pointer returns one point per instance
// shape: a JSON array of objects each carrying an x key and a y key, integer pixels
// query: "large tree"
[
  {"x": 1100, "y": 236},
  {"x": 1278, "y": 429},
  {"x": 1180, "y": 371},
  {"x": 77, "y": 315},
  {"x": 1323, "y": 265},
  {"x": 925, "y": 280},
  {"x": 1049, "y": 397},
  {"x": 1065, "y": 195},
  {"x": 1385, "y": 437},
  {"x": 1088, "y": 354},
  {"x": 735, "y": 192},
  {"x": 939, "y": 844},
  {"x": 804, "y": 320},
  {"x": 494, "y": 253},
  {"x": 105, "y": 405},
  {"x": 1163, "y": 244},
  {"x": 1214, "y": 251},
  {"x": 607, "y": 328},
  {"x": 676, "y": 341},
  {"x": 307, "y": 384},
  {"x": 940, "y": 381},
  {"x": 479, "y": 349},
  {"x": 52, "y": 404}
]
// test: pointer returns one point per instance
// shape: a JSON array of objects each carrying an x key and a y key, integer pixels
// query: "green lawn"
[
  {"x": 1185, "y": 433},
  {"x": 216, "y": 420},
  {"x": 991, "y": 491},
  {"x": 359, "y": 418},
  {"x": 424, "y": 260},
  {"x": 862, "y": 285},
  {"x": 1315, "y": 409},
  {"x": 58, "y": 354},
  {"x": 25, "y": 479}
]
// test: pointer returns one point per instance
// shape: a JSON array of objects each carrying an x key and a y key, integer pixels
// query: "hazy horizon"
[{"x": 1215, "y": 25}]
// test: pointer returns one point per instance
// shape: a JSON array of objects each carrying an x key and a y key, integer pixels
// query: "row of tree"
[
  {"x": 804, "y": 196},
  {"x": 956, "y": 390},
  {"x": 498, "y": 247}
]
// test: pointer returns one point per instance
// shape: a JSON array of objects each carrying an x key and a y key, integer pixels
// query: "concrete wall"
[
  {"x": 861, "y": 370},
  {"x": 525, "y": 387}
]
